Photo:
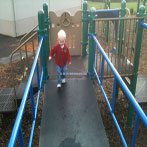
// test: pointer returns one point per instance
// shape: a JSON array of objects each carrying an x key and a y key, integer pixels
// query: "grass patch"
[{"x": 97, "y": 5}]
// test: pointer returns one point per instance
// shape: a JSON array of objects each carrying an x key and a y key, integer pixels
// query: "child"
[{"x": 62, "y": 55}]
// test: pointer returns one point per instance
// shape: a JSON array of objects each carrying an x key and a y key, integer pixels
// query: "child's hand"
[
  {"x": 50, "y": 58},
  {"x": 69, "y": 63}
]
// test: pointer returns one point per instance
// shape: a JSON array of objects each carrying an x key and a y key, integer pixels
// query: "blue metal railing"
[
  {"x": 117, "y": 78},
  {"x": 17, "y": 126},
  {"x": 143, "y": 24},
  {"x": 105, "y": 10}
]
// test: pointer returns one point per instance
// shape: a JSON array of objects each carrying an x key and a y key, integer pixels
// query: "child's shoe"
[
  {"x": 63, "y": 81},
  {"x": 58, "y": 85}
]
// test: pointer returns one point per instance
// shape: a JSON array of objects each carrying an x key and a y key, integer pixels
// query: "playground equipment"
[
  {"x": 21, "y": 59},
  {"x": 72, "y": 25},
  {"x": 139, "y": 3},
  {"x": 123, "y": 61},
  {"x": 92, "y": 46},
  {"x": 122, "y": 43}
]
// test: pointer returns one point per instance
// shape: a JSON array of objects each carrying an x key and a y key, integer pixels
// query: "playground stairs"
[
  {"x": 71, "y": 117},
  {"x": 7, "y": 95},
  {"x": 141, "y": 89},
  {"x": 7, "y": 102}
]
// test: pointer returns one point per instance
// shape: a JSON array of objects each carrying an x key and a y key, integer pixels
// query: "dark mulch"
[
  {"x": 8, "y": 120},
  {"x": 121, "y": 113}
]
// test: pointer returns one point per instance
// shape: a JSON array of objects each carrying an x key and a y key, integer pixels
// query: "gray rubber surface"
[
  {"x": 141, "y": 89},
  {"x": 71, "y": 117}
]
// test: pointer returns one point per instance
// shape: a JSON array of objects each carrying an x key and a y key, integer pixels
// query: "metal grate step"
[
  {"x": 7, "y": 100},
  {"x": 141, "y": 89}
]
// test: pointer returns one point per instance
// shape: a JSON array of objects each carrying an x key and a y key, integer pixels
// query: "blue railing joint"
[
  {"x": 143, "y": 24},
  {"x": 46, "y": 78},
  {"x": 91, "y": 35},
  {"x": 42, "y": 87},
  {"x": 105, "y": 10},
  {"x": 90, "y": 75},
  {"x": 44, "y": 37}
]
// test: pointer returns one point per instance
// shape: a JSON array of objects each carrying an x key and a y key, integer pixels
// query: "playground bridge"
[{"x": 70, "y": 115}]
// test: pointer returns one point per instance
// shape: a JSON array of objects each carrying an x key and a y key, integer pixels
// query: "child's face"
[{"x": 61, "y": 41}]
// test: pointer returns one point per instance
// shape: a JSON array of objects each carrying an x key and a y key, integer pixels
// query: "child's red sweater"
[{"x": 62, "y": 55}]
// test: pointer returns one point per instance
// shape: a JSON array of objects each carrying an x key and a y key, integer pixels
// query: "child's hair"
[{"x": 61, "y": 35}]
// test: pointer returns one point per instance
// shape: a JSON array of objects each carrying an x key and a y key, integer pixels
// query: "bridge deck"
[
  {"x": 80, "y": 65},
  {"x": 71, "y": 117}
]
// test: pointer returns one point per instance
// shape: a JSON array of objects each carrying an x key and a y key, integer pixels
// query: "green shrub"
[{"x": 131, "y": 11}]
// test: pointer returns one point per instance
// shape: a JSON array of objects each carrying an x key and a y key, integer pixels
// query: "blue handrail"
[
  {"x": 140, "y": 113},
  {"x": 106, "y": 10},
  {"x": 143, "y": 24},
  {"x": 17, "y": 125}
]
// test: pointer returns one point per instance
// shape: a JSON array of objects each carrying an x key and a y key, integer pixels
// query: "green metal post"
[
  {"x": 107, "y": 31},
  {"x": 46, "y": 20},
  {"x": 91, "y": 42},
  {"x": 109, "y": 3},
  {"x": 104, "y": 24},
  {"x": 105, "y": 4},
  {"x": 42, "y": 32},
  {"x": 85, "y": 28},
  {"x": 136, "y": 64},
  {"x": 138, "y": 4},
  {"x": 144, "y": 2},
  {"x": 107, "y": 23},
  {"x": 120, "y": 40},
  {"x": 121, "y": 30}
]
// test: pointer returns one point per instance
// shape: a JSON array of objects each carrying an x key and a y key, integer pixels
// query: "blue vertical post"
[
  {"x": 38, "y": 77},
  {"x": 135, "y": 130},
  {"x": 94, "y": 55},
  {"x": 113, "y": 94},
  {"x": 32, "y": 101},
  {"x": 21, "y": 137},
  {"x": 102, "y": 69}
]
